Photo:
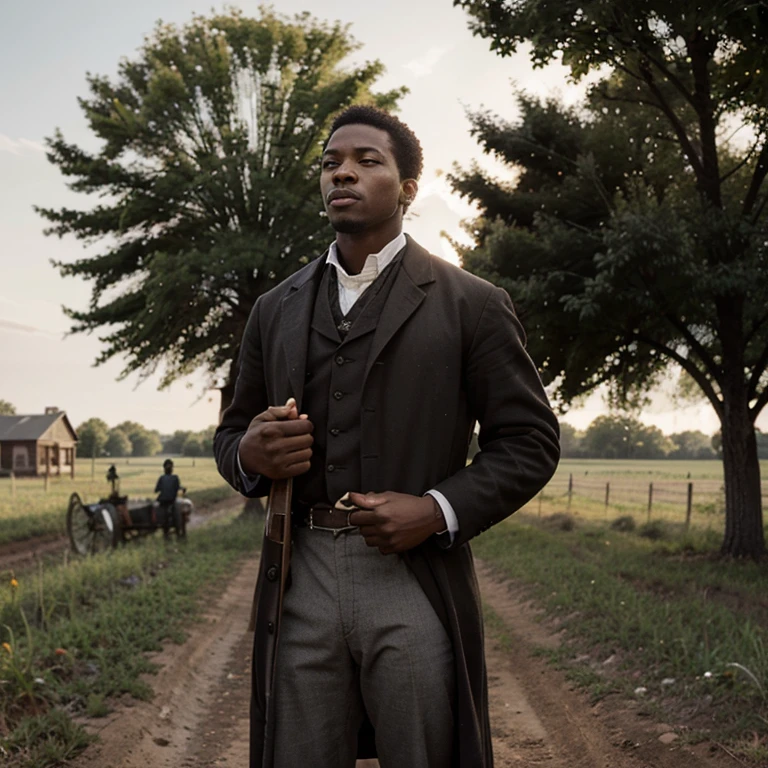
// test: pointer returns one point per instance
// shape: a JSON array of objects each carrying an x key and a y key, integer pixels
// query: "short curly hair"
[{"x": 406, "y": 147}]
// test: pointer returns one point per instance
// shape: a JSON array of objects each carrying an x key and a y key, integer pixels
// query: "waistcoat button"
[
  {"x": 339, "y": 360},
  {"x": 331, "y": 468},
  {"x": 338, "y": 395},
  {"x": 335, "y": 432}
]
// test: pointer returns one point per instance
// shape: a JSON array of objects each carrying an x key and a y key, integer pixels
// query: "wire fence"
[{"x": 682, "y": 501}]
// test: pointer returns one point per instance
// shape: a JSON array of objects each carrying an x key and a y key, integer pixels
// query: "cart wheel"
[{"x": 92, "y": 529}]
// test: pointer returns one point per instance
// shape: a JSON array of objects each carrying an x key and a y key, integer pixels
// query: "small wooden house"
[{"x": 38, "y": 445}]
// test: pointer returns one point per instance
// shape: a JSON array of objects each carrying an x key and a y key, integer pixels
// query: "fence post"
[
  {"x": 541, "y": 495},
  {"x": 47, "y": 476},
  {"x": 689, "y": 507},
  {"x": 650, "y": 500},
  {"x": 93, "y": 467},
  {"x": 570, "y": 490},
  {"x": 607, "y": 497},
  {"x": 13, "y": 484}
]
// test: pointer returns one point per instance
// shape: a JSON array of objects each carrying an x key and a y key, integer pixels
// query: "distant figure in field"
[{"x": 167, "y": 488}]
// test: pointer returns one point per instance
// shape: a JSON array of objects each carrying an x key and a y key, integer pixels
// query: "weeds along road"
[{"x": 199, "y": 715}]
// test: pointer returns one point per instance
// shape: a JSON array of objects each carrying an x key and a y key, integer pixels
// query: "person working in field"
[{"x": 167, "y": 488}]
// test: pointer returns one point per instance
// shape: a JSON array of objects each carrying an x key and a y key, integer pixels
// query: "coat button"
[
  {"x": 339, "y": 360},
  {"x": 335, "y": 432},
  {"x": 331, "y": 468},
  {"x": 271, "y": 628},
  {"x": 272, "y": 572},
  {"x": 338, "y": 395}
]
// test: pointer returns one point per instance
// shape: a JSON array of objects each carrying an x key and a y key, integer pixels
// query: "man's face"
[{"x": 360, "y": 181}]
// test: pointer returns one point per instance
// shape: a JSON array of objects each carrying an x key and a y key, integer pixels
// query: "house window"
[{"x": 20, "y": 457}]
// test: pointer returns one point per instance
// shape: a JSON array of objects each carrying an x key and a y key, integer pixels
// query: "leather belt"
[{"x": 324, "y": 518}]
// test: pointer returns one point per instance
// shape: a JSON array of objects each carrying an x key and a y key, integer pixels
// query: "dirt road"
[{"x": 198, "y": 718}]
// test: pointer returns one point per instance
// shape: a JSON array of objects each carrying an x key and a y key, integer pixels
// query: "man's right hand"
[{"x": 278, "y": 443}]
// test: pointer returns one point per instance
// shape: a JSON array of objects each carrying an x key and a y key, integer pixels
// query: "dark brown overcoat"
[{"x": 448, "y": 352}]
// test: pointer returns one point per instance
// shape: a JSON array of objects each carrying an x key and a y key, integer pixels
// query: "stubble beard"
[{"x": 348, "y": 226}]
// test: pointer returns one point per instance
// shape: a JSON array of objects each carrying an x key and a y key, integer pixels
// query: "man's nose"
[{"x": 344, "y": 173}]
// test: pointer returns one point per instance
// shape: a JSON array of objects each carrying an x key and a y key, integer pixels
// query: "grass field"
[
  {"x": 645, "y": 490},
  {"x": 688, "y": 629},
  {"x": 27, "y": 509},
  {"x": 75, "y": 633}
]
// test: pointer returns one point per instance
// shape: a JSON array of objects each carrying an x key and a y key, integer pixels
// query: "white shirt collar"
[{"x": 374, "y": 265}]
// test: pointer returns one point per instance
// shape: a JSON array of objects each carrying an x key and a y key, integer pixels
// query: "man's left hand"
[{"x": 395, "y": 522}]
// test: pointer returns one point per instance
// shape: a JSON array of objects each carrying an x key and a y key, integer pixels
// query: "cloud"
[
  {"x": 7, "y": 144},
  {"x": 425, "y": 64},
  {"x": 10, "y": 325}
]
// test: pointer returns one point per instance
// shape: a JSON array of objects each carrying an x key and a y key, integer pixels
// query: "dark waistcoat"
[{"x": 337, "y": 353}]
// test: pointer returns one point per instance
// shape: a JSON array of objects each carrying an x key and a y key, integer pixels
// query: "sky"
[{"x": 46, "y": 48}]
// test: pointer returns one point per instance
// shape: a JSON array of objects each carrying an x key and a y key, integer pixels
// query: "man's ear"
[{"x": 408, "y": 190}]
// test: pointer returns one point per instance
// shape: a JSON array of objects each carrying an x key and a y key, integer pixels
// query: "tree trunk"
[{"x": 743, "y": 503}]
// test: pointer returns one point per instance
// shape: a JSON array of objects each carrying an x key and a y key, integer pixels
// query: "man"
[
  {"x": 361, "y": 376},
  {"x": 167, "y": 488}
]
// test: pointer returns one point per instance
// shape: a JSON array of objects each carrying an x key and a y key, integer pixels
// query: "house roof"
[{"x": 31, "y": 427}]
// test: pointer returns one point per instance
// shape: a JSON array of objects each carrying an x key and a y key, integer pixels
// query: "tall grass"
[
  {"x": 78, "y": 632},
  {"x": 666, "y": 609}
]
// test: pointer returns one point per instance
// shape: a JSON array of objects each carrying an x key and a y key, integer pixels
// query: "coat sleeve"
[
  {"x": 519, "y": 433},
  {"x": 249, "y": 400}
]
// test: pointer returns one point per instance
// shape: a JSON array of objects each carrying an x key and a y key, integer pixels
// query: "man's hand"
[
  {"x": 396, "y": 522},
  {"x": 278, "y": 443}
]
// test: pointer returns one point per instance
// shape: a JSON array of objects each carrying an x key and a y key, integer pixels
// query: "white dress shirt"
[{"x": 351, "y": 288}]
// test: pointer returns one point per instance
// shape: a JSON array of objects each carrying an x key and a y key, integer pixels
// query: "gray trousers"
[{"x": 359, "y": 636}]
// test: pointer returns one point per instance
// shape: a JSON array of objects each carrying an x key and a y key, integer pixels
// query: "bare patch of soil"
[{"x": 199, "y": 716}]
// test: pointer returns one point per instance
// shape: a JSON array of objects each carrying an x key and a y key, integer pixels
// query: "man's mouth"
[{"x": 342, "y": 198}]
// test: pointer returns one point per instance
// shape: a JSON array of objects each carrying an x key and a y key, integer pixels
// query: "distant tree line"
[
  {"x": 96, "y": 439},
  {"x": 624, "y": 437}
]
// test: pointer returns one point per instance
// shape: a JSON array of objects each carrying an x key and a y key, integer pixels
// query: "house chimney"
[{"x": 49, "y": 409}]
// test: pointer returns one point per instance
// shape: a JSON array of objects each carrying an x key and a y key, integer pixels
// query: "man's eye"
[
  {"x": 329, "y": 163},
  {"x": 369, "y": 161}
]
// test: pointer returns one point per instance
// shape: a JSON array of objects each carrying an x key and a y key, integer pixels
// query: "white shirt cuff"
[
  {"x": 249, "y": 481},
  {"x": 451, "y": 521}
]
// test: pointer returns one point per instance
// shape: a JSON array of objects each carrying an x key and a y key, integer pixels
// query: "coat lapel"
[
  {"x": 295, "y": 320},
  {"x": 403, "y": 300}
]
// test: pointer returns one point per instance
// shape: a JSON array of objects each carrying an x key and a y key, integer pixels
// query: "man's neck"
[{"x": 353, "y": 249}]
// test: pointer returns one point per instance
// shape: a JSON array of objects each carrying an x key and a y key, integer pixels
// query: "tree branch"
[
  {"x": 761, "y": 171},
  {"x": 696, "y": 374},
  {"x": 677, "y": 125},
  {"x": 740, "y": 165}
]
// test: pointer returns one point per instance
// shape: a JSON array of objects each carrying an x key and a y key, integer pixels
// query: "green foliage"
[
  {"x": 118, "y": 444},
  {"x": 7, "y": 409},
  {"x": 193, "y": 447},
  {"x": 623, "y": 437},
  {"x": 207, "y": 172},
  {"x": 625, "y": 523},
  {"x": 636, "y": 231},
  {"x": 92, "y": 436},
  {"x": 692, "y": 444}
]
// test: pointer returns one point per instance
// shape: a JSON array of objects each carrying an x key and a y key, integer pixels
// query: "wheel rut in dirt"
[{"x": 199, "y": 716}]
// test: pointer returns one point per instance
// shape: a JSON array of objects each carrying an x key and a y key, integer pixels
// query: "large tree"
[
  {"x": 666, "y": 259},
  {"x": 207, "y": 183}
]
